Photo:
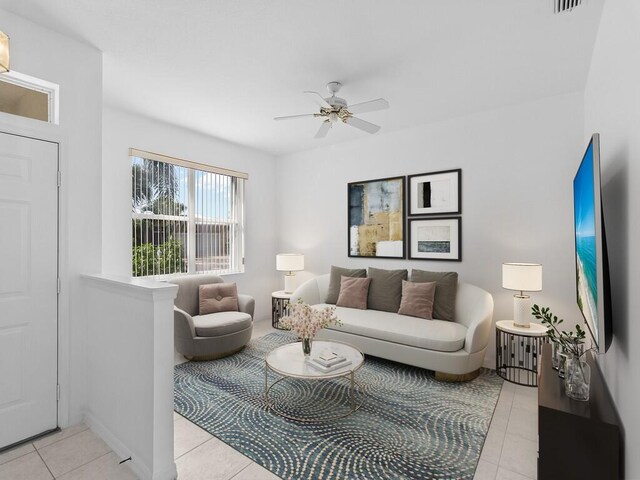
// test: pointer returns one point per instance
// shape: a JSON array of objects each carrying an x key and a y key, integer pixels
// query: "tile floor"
[{"x": 77, "y": 453}]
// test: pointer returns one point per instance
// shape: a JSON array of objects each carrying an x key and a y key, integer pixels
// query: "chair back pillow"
[
  {"x": 417, "y": 299},
  {"x": 353, "y": 292},
  {"x": 218, "y": 297},
  {"x": 385, "y": 290},
  {"x": 335, "y": 280},
  {"x": 444, "y": 305}
]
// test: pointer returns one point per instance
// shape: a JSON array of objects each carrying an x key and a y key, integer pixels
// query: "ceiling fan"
[{"x": 334, "y": 109}]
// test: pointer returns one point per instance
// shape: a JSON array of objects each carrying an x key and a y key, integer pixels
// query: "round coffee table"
[{"x": 289, "y": 362}]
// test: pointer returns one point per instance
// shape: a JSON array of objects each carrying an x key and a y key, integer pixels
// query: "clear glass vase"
[
  {"x": 555, "y": 355},
  {"x": 577, "y": 378},
  {"x": 307, "y": 343}
]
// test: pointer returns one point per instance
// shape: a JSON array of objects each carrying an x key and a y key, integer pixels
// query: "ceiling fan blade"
[
  {"x": 362, "y": 125},
  {"x": 289, "y": 117},
  {"x": 324, "y": 129},
  {"x": 320, "y": 99},
  {"x": 370, "y": 106}
]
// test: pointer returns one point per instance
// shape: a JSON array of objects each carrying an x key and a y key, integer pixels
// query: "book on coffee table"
[
  {"x": 328, "y": 359},
  {"x": 336, "y": 366}
]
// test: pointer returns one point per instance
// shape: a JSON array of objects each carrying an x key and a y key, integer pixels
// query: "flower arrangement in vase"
[
  {"x": 570, "y": 348},
  {"x": 307, "y": 321}
]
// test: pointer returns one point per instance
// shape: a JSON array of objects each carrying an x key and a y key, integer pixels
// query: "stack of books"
[{"x": 329, "y": 361}]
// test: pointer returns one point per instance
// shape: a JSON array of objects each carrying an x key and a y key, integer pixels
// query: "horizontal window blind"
[{"x": 185, "y": 219}]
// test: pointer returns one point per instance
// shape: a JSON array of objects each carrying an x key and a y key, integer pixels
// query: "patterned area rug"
[{"x": 410, "y": 426}]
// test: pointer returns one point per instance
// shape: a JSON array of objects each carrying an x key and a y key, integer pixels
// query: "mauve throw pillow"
[
  {"x": 334, "y": 281},
  {"x": 385, "y": 291},
  {"x": 218, "y": 297},
  {"x": 444, "y": 304},
  {"x": 353, "y": 292},
  {"x": 417, "y": 299}
]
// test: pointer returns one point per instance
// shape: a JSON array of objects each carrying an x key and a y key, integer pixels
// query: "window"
[
  {"x": 28, "y": 97},
  {"x": 186, "y": 217}
]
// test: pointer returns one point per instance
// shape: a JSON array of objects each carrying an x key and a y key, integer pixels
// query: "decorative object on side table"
[
  {"x": 307, "y": 321},
  {"x": 376, "y": 218},
  {"x": 577, "y": 372},
  {"x": 435, "y": 239},
  {"x": 279, "y": 302},
  {"x": 518, "y": 352},
  {"x": 522, "y": 277},
  {"x": 290, "y": 263},
  {"x": 435, "y": 193}
]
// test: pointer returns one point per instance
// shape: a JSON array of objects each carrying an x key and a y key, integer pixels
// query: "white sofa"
[{"x": 452, "y": 348}]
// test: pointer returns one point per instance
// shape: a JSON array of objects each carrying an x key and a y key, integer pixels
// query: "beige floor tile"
[
  {"x": 70, "y": 453},
  {"x": 500, "y": 418},
  {"x": 524, "y": 423},
  {"x": 213, "y": 460},
  {"x": 493, "y": 446},
  {"x": 176, "y": 416},
  {"x": 526, "y": 398},
  {"x": 26, "y": 467},
  {"x": 256, "y": 472},
  {"x": 262, "y": 328},
  {"x": 187, "y": 436},
  {"x": 485, "y": 471},
  {"x": 62, "y": 434},
  {"x": 504, "y": 474},
  {"x": 106, "y": 467},
  {"x": 519, "y": 455},
  {"x": 15, "y": 453}
]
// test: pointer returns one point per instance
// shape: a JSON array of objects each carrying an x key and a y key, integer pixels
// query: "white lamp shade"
[
  {"x": 289, "y": 262},
  {"x": 526, "y": 277},
  {"x": 4, "y": 52}
]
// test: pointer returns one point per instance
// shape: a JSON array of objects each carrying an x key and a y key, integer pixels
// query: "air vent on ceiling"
[{"x": 560, "y": 6}]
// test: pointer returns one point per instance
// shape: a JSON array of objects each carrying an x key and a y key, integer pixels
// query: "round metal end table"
[{"x": 518, "y": 352}]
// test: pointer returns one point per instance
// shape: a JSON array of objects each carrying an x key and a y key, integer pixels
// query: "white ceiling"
[{"x": 226, "y": 68}]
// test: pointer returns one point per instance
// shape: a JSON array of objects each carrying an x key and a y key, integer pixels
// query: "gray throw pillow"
[
  {"x": 334, "y": 281},
  {"x": 385, "y": 291},
  {"x": 444, "y": 305}
]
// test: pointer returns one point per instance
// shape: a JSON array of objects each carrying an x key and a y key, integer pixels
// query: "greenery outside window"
[{"x": 186, "y": 217}]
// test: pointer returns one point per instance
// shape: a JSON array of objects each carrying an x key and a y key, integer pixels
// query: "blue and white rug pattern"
[{"x": 410, "y": 426}]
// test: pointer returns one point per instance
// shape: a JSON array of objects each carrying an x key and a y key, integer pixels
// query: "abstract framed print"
[
  {"x": 435, "y": 239},
  {"x": 376, "y": 218},
  {"x": 435, "y": 193}
]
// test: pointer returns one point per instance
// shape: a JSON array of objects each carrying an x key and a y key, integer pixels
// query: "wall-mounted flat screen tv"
[{"x": 592, "y": 266}]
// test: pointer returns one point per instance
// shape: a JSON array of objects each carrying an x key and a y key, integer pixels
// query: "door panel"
[{"x": 28, "y": 287}]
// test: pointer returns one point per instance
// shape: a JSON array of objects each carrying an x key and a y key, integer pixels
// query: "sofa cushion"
[
  {"x": 221, "y": 323},
  {"x": 438, "y": 335},
  {"x": 444, "y": 306},
  {"x": 353, "y": 292},
  {"x": 417, "y": 299},
  {"x": 334, "y": 281},
  {"x": 385, "y": 290},
  {"x": 218, "y": 297}
]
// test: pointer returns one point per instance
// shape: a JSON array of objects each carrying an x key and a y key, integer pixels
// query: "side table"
[
  {"x": 518, "y": 352},
  {"x": 279, "y": 302}
]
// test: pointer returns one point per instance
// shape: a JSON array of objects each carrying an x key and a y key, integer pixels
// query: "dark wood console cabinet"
[{"x": 576, "y": 440}]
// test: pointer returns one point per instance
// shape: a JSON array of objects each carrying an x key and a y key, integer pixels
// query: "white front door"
[{"x": 28, "y": 287}]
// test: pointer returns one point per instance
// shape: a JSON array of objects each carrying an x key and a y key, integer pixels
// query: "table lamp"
[
  {"x": 290, "y": 263},
  {"x": 523, "y": 277}
]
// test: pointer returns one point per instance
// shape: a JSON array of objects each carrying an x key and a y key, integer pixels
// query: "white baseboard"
[{"x": 139, "y": 468}]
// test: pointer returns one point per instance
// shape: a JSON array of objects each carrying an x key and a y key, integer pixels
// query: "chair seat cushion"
[
  {"x": 221, "y": 323},
  {"x": 439, "y": 335}
]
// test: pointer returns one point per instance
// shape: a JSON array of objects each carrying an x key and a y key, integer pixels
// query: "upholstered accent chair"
[{"x": 215, "y": 335}]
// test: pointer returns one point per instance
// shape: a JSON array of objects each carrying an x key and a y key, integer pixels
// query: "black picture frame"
[
  {"x": 414, "y": 196},
  {"x": 455, "y": 249},
  {"x": 356, "y": 217}
]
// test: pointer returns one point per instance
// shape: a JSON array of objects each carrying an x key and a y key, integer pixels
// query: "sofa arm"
[
  {"x": 479, "y": 330},
  {"x": 183, "y": 324},
  {"x": 246, "y": 304},
  {"x": 308, "y": 292}
]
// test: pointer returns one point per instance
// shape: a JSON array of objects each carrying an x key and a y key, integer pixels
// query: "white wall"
[
  {"x": 517, "y": 169},
  {"x": 77, "y": 68},
  {"x": 612, "y": 108},
  {"x": 123, "y": 130}
]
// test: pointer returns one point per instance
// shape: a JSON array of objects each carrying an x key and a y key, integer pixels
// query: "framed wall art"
[
  {"x": 435, "y": 193},
  {"x": 376, "y": 218},
  {"x": 435, "y": 239}
]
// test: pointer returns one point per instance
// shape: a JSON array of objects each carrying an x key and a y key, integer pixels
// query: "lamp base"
[
  {"x": 289, "y": 282},
  {"x": 521, "y": 311}
]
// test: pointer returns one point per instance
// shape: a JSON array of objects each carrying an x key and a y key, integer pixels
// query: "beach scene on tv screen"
[{"x": 585, "y": 227}]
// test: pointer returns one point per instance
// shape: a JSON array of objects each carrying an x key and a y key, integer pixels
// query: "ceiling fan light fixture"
[{"x": 4, "y": 52}]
